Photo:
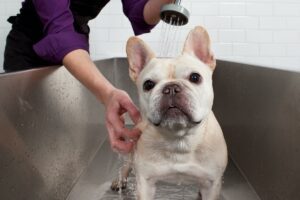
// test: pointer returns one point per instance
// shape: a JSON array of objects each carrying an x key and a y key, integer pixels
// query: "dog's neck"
[{"x": 176, "y": 141}]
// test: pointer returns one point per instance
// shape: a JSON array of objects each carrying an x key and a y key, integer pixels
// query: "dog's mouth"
[{"x": 175, "y": 113}]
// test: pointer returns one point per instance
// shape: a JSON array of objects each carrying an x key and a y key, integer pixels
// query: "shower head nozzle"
[{"x": 174, "y": 14}]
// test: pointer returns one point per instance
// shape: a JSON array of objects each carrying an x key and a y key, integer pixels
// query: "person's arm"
[
  {"x": 63, "y": 44},
  {"x": 58, "y": 27},
  {"x": 116, "y": 101},
  {"x": 143, "y": 14},
  {"x": 80, "y": 65},
  {"x": 152, "y": 10}
]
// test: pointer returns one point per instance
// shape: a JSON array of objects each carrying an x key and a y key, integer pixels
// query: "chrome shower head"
[{"x": 174, "y": 14}]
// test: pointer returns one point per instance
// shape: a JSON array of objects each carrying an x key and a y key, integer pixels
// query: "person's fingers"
[
  {"x": 117, "y": 142},
  {"x": 133, "y": 112},
  {"x": 130, "y": 134},
  {"x": 122, "y": 118},
  {"x": 114, "y": 117},
  {"x": 122, "y": 146},
  {"x": 127, "y": 134},
  {"x": 117, "y": 122},
  {"x": 111, "y": 133},
  {"x": 121, "y": 138}
]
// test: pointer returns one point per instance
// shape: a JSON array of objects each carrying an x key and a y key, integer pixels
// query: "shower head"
[{"x": 174, "y": 14}]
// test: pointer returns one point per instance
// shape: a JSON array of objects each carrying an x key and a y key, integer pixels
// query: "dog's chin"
[{"x": 175, "y": 119}]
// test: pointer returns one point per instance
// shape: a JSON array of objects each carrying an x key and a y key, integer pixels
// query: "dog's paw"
[{"x": 116, "y": 185}]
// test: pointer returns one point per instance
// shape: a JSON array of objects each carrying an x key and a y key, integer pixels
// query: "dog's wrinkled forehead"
[
  {"x": 196, "y": 55},
  {"x": 157, "y": 69},
  {"x": 172, "y": 69}
]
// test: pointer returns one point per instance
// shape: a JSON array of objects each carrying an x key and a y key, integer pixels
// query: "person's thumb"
[{"x": 132, "y": 110}]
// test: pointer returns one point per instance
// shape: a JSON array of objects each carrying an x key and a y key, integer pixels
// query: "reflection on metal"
[
  {"x": 50, "y": 128},
  {"x": 53, "y": 143},
  {"x": 259, "y": 111}
]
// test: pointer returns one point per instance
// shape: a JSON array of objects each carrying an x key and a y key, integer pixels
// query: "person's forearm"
[
  {"x": 152, "y": 10},
  {"x": 79, "y": 63}
]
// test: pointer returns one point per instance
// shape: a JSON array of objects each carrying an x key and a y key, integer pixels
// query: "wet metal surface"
[
  {"x": 259, "y": 111},
  {"x": 94, "y": 184},
  {"x": 50, "y": 129},
  {"x": 53, "y": 141},
  {"x": 163, "y": 191}
]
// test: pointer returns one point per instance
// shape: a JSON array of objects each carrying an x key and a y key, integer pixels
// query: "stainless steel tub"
[{"x": 53, "y": 142}]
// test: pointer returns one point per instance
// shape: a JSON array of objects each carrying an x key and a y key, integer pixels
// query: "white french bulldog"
[{"x": 181, "y": 139}]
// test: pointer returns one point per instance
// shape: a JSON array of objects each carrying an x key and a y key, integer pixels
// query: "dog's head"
[{"x": 174, "y": 93}]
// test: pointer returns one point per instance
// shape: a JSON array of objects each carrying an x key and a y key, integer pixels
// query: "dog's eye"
[
  {"x": 195, "y": 78},
  {"x": 148, "y": 85}
]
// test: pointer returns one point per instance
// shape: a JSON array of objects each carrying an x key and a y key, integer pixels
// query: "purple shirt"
[{"x": 61, "y": 37}]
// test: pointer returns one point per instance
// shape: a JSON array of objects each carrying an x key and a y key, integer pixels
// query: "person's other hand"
[{"x": 121, "y": 138}]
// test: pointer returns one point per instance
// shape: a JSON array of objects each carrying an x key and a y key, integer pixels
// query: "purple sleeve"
[
  {"x": 60, "y": 35},
  {"x": 134, "y": 10}
]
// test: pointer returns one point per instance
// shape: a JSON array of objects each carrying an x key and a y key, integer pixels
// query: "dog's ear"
[
  {"x": 198, "y": 44},
  {"x": 139, "y": 54}
]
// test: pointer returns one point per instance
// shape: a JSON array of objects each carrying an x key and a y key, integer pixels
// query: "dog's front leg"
[
  {"x": 145, "y": 188},
  {"x": 212, "y": 192},
  {"x": 120, "y": 182}
]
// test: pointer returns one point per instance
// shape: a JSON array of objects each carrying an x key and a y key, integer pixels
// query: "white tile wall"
[
  {"x": 265, "y": 32},
  {"x": 259, "y": 9},
  {"x": 232, "y": 9}
]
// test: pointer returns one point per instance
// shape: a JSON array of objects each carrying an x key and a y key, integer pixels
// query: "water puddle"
[{"x": 164, "y": 191}]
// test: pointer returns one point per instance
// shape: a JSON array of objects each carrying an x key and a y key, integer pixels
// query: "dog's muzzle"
[{"x": 174, "y": 107}]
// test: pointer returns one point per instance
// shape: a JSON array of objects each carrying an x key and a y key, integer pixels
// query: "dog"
[{"x": 181, "y": 139}]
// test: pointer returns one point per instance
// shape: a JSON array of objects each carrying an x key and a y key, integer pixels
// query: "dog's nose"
[{"x": 171, "y": 89}]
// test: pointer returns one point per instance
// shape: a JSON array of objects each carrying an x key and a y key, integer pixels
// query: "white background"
[{"x": 264, "y": 32}]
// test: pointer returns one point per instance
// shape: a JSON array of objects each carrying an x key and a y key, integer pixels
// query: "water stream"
[{"x": 169, "y": 38}]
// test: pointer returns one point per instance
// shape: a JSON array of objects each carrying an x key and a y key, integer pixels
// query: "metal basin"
[{"x": 53, "y": 142}]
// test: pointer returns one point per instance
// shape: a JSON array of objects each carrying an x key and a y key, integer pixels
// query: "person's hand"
[
  {"x": 121, "y": 138},
  {"x": 152, "y": 10},
  {"x": 116, "y": 102}
]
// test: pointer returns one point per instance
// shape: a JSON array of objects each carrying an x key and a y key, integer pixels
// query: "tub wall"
[
  {"x": 259, "y": 111},
  {"x": 51, "y": 127}
]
